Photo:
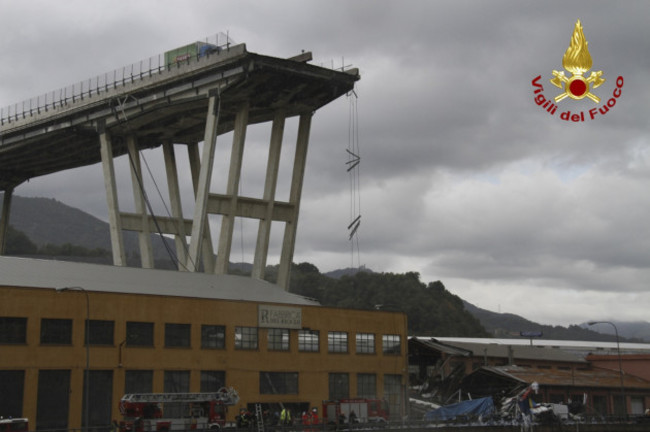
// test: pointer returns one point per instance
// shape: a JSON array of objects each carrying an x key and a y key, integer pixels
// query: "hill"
[
  {"x": 48, "y": 222},
  {"x": 430, "y": 308},
  {"x": 635, "y": 330},
  {"x": 47, "y": 228},
  {"x": 505, "y": 325}
]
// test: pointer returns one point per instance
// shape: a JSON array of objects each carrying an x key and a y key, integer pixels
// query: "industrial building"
[
  {"x": 612, "y": 383},
  {"x": 166, "y": 331}
]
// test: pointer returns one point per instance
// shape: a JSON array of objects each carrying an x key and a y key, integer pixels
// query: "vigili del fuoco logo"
[{"x": 577, "y": 61}]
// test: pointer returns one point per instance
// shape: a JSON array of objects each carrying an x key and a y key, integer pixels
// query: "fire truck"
[
  {"x": 355, "y": 411},
  {"x": 14, "y": 425},
  {"x": 163, "y": 412}
]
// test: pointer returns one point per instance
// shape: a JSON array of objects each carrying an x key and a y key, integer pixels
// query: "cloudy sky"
[{"x": 463, "y": 177}]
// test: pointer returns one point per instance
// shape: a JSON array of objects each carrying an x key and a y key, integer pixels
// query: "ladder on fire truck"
[
  {"x": 259, "y": 417},
  {"x": 228, "y": 396}
]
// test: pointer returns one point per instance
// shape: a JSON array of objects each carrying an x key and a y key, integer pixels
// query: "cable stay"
[
  {"x": 356, "y": 160},
  {"x": 353, "y": 167}
]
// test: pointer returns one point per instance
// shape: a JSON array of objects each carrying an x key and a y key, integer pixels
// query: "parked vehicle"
[{"x": 151, "y": 412}]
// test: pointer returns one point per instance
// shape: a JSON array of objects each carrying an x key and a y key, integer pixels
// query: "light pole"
[
  {"x": 87, "y": 371},
  {"x": 620, "y": 363}
]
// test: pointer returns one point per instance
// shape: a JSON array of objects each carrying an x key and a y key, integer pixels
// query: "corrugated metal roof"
[
  {"x": 32, "y": 273},
  {"x": 519, "y": 353},
  {"x": 584, "y": 346},
  {"x": 480, "y": 350},
  {"x": 595, "y": 377}
]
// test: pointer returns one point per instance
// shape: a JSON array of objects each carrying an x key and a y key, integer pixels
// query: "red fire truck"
[
  {"x": 14, "y": 425},
  {"x": 355, "y": 411},
  {"x": 163, "y": 412}
]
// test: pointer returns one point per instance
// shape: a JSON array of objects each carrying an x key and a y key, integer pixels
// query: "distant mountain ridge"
[
  {"x": 506, "y": 325},
  {"x": 48, "y": 221}
]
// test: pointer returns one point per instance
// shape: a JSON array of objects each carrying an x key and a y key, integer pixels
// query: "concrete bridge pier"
[{"x": 192, "y": 101}]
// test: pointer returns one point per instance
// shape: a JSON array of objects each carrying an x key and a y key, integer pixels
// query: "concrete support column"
[
  {"x": 272, "y": 167},
  {"x": 203, "y": 186},
  {"x": 176, "y": 205},
  {"x": 4, "y": 219},
  {"x": 207, "y": 250},
  {"x": 289, "y": 241},
  {"x": 144, "y": 235},
  {"x": 234, "y": 174},
  {"x": 115, "y": 224}
]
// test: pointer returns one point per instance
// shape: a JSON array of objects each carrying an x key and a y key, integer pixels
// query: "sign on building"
[{"x": 279, "y": 317}]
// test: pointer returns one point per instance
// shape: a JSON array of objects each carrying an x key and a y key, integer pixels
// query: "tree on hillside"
[
  {"x": 431, "y": 309},
  {"x": 18, "y": 243}
]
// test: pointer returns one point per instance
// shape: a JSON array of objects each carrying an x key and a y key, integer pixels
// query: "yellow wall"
[{"x": 241, "y": 367}]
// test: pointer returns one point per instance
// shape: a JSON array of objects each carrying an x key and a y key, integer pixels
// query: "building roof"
[
  {"x": 34, "y": 273},
  {"x": 433, "y": 344},
  {"x": 492, "y": 350},
  {"x": 583, "y": 347},
  {"x": 592, "y": 378}
]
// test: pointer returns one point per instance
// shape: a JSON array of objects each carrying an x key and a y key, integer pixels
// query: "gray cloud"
[{"x": 463, "y": 177}]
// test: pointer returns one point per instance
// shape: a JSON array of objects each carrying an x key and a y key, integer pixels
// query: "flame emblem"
[{"x": 577, "y": 60}]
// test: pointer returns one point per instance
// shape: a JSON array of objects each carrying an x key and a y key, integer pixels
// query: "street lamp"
[
  {"x": 87, "y": 372},
  {"x": 620, "y": 363}
]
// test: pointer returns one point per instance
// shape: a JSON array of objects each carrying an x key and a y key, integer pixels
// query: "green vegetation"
[{"x": 431, "y": 309}]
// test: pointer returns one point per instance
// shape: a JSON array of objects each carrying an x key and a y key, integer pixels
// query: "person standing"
[
  {"x": 285, "y": 417},
  {"x": 314, "y": 416},
  {"x": 525, "y": 402}
]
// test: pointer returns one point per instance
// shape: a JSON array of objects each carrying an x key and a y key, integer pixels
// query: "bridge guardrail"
[{"x": 98, "y": 84}]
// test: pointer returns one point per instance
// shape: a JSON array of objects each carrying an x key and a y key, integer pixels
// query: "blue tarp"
[{"x": 470, "y": 408}]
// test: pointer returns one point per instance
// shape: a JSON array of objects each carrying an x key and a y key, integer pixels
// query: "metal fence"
[
  {"x": 637, "y": 423},
  {"x": 99, "y": 84}
]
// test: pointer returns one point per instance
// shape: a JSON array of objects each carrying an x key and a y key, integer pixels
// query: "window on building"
[
  {"x": 99, "y": 398},
  {"x": 620, "y": 407},
  {"x": 12, "y": 388},
  {"x": 637, "y": 405},
  {"x": 13, "y": 330},
  {"x": 393, "y": 393},
  {"x": 56, "y": 331},
  {"x": 367, "y": 386},
  {"x": 339, "y": 386},
  {"x": 177, "y": 382},
  {"x": 599, "y": 403},
  {"x": 52, "y": 400},
  {"x": 138, "y": 381},
  {"x": 213, "y": 336},
  {"x": 212, "y": 381},
  {"x": 391, "y": 344},
  {"x": 101, "y": 332},
  {"x": 308, "y": 340},
  {"x": 337, "y": 342},
  {"x": 278, "y": 382},
  {"x": 246, "y": 338},
  {"x": 278, "y": 339},
  {"x": 139, "y": 334},
  {"x": 177, "y": 335},
  {"x": 365, "y": 343}
]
